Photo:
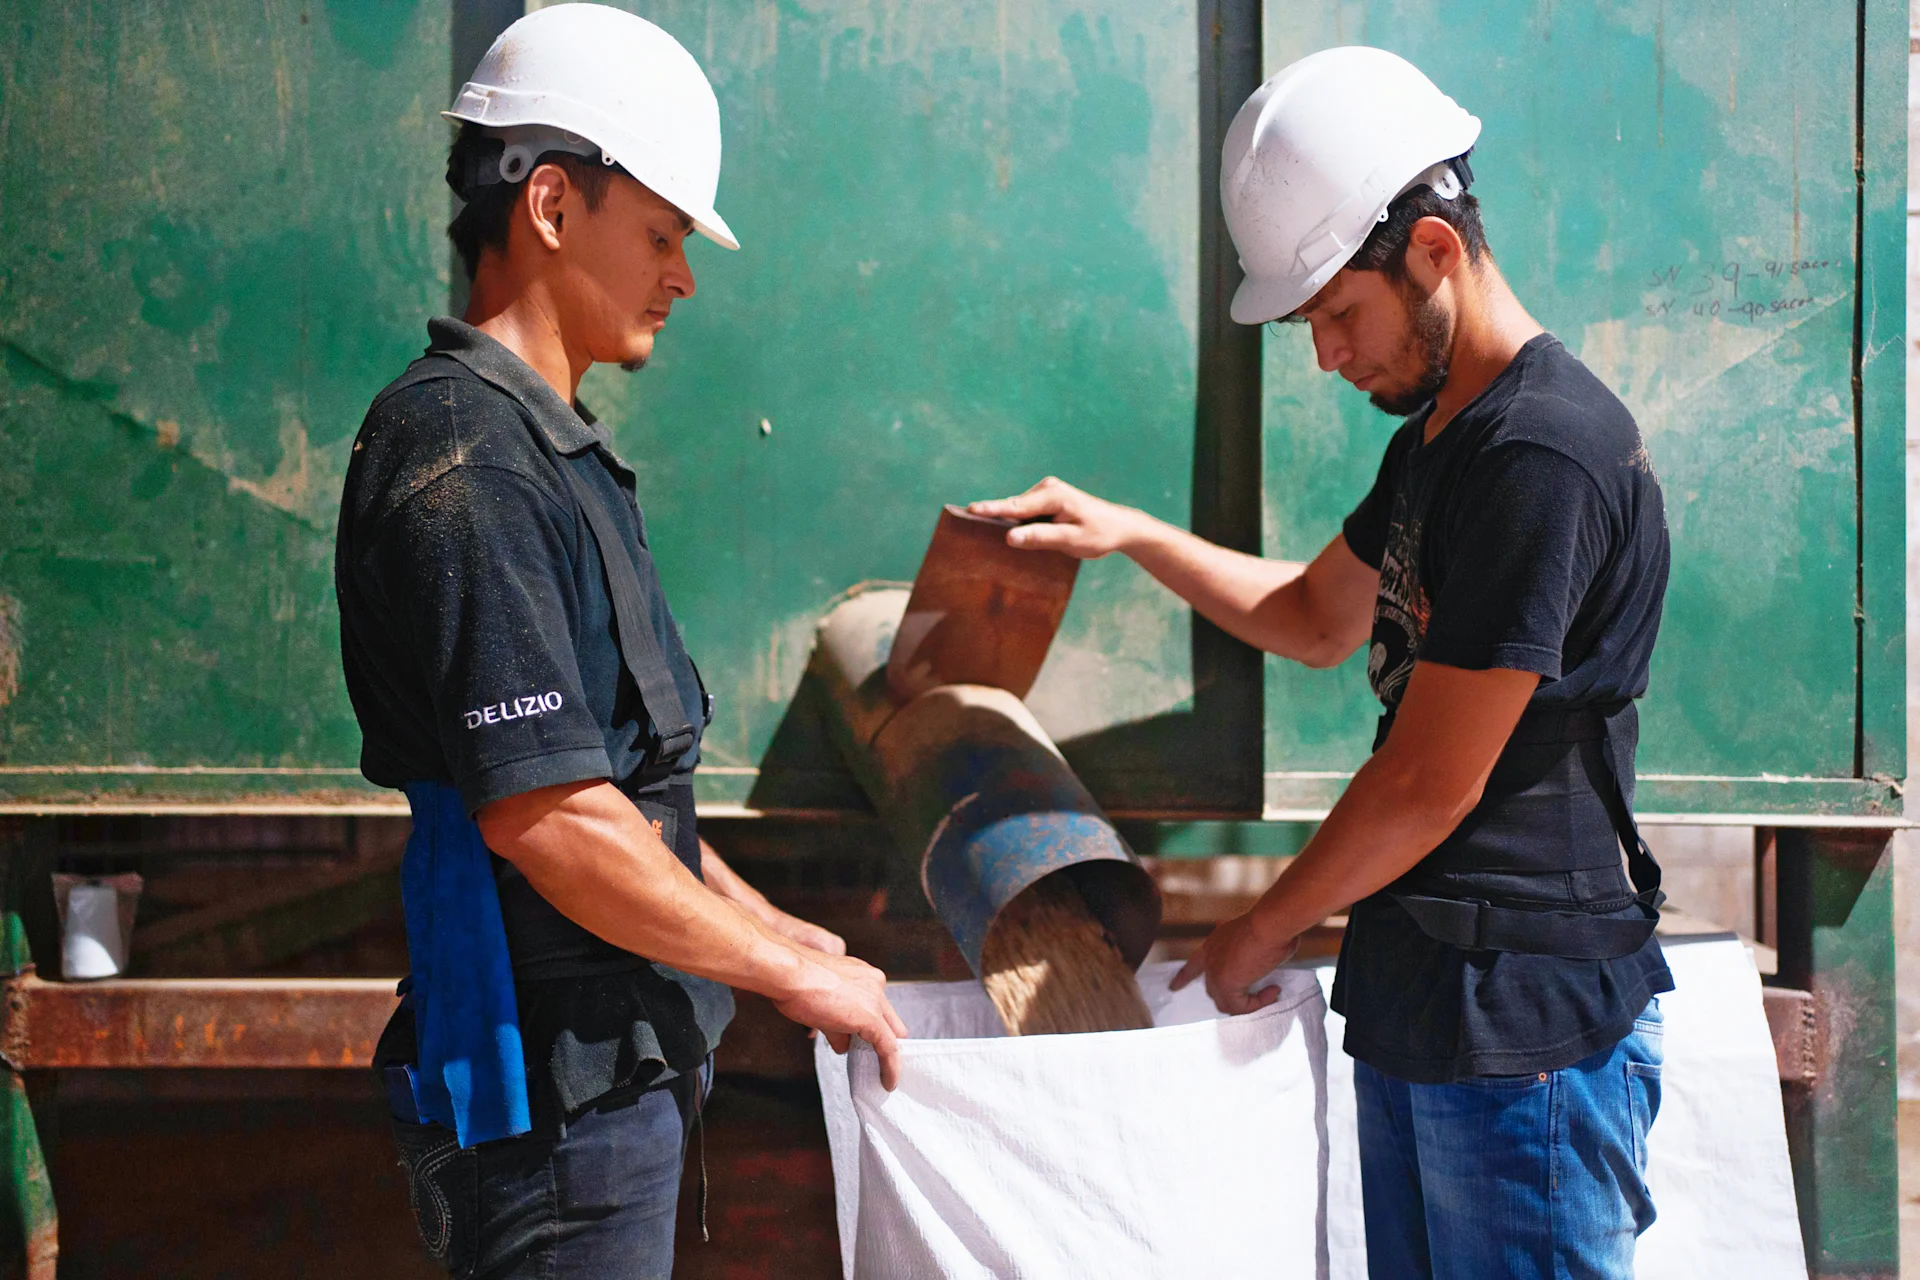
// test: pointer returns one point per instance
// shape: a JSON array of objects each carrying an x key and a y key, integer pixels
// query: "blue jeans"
[
  {"x": 1537, "y": 1177},
  {"x": 599, "y": 1203}
]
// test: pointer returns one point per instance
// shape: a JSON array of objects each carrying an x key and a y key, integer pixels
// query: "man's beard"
[
  {"x": 1430, "y": 342},
  {"x": 635, "y": 365}
]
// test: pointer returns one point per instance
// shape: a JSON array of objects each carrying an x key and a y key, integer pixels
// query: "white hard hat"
[
  {"x": 584, "y": 78},
  {"x": 1315, "y": 157}
]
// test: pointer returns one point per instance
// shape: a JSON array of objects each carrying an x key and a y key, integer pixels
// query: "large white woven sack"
[{"x": 1195, "y": 1148}]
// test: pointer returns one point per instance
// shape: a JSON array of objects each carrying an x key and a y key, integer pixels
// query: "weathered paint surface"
[
  {"x": 1671, "y": 190},
  {"x": 219, "y": 234},
  {"x": 971, "y": 260},
  {"x": 29, "y": 1219},
  {"x": 970, "y": 257},
  {"x": 1836, "y": 941},
  {"x": 265, "y": 1023}
]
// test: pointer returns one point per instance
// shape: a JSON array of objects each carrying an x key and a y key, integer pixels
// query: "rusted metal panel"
[
  {"x": 1795, "y": 1027},
  {"x": 981, "y": 612},
  {"x": 158, "y": 1022}
]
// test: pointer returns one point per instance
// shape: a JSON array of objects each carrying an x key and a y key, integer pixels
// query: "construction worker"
[
  {"x": 1499, "y": 973},
  {"x": 515, "y": 669}
]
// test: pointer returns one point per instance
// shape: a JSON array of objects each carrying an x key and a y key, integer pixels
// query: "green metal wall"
[
  {"x": 978, "y": 249},
  {"x": 1671, "y": 189},
  {"x": 970, "y": 259},
  {"x": 220, "y": 229}
]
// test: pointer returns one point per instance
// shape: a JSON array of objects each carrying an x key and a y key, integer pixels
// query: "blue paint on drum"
[{"x": 989, "y": 850}]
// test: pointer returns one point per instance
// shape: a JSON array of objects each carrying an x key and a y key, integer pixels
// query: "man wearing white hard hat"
[
  {"x": 1499, "y": 975},
  {"x": 516, "y": 671}
]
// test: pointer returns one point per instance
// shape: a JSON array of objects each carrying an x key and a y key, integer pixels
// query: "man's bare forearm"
[
  {"x": 1406, "y": 799},
  {"x": 593, "y": 855},
  {"x": 1229, "y": 588},
  {"x": 1316, "y": 613},
  {"x": 1266, "y": 603},
  {"x": 1381, "y": 827},
  {"x": 727, "y": 882}
]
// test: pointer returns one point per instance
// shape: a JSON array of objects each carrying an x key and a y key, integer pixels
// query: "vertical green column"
[
  {"x": 1836, "y": 940},
  {"x": 29, "y": 1225}
]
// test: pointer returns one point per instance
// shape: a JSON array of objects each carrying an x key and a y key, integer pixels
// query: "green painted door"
[
  {"x": 1670, "y": 189},
  {"x": 976, "y": 252},
  {"x": 219, "y": 233},
  {"x": 969, "y": 260}
]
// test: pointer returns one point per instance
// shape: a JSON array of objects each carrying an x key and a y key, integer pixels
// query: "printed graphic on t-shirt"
[
  {"x": 534, "y": 704},
  {"x": 1401, "y": 609}
]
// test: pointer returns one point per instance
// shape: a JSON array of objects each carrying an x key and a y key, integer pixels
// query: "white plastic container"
[{"x": 96, "y": 918}]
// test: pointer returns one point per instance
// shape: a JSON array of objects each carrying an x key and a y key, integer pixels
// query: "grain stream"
[{"x": 1050, "y": 968}]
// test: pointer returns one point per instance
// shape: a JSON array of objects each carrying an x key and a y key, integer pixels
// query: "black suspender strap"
[
  {"x": 639, "y": 647},
  {"x": 1622, "y": 738}
]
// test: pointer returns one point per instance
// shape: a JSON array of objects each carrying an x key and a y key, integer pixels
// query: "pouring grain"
[{"x": 1050, "y": 968}]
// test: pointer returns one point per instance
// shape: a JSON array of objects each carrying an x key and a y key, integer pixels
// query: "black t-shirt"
[
  {"x": 480, "y": 650},
  {"x": 477, "y": 632},
  {"x": 1529, "y": 535}
]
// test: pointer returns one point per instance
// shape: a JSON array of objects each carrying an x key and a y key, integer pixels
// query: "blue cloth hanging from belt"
[{"x": 472, "y": 1074}]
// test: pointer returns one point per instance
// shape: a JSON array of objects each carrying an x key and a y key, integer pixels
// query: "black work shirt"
[
  {"x": 480, "y": 649},
  {"x": 1528, "y": 535}
]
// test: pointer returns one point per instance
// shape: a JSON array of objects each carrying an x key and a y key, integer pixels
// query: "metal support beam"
[
  {"x": 1229, "y": 677},
  {"x": 1835, "y": 919},
  {"x": 1766, "y": 887},
  {"x": 274, "y": 1023},
  {"x": 476, "y": 24}
]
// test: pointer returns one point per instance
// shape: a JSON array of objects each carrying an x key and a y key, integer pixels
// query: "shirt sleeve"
[
  {"x": 478, "y": 567},
  {"x": 1528, "y": 533},
  {"x": 1365, "y": 528}
]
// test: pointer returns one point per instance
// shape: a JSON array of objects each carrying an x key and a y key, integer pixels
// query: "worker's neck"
[
  {"x": 1489, "y": 328},
  {"x": 523, "y": 317}
]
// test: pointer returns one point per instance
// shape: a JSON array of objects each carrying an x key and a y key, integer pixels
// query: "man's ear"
[
  {"x": 1434, "y": 252},
  {"x": 545, "y": 193}
]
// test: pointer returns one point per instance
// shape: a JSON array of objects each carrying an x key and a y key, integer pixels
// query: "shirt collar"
[{"x": 569, "y": 427}]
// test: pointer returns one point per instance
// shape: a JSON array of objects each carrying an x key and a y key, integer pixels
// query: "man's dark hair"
[
  {"x": 482, "y": 221},
  {"x": 1385, "y": 249}
]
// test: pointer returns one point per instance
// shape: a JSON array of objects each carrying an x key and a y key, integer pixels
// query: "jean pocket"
[
  {"x": 1643, "y": 1099},
  {"x": 443, "y": 1190}
]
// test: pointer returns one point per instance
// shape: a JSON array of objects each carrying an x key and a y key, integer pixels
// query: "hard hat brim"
[
  {"x": 1257, "y": 301},
  {"x": 714, "y": 228}
]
